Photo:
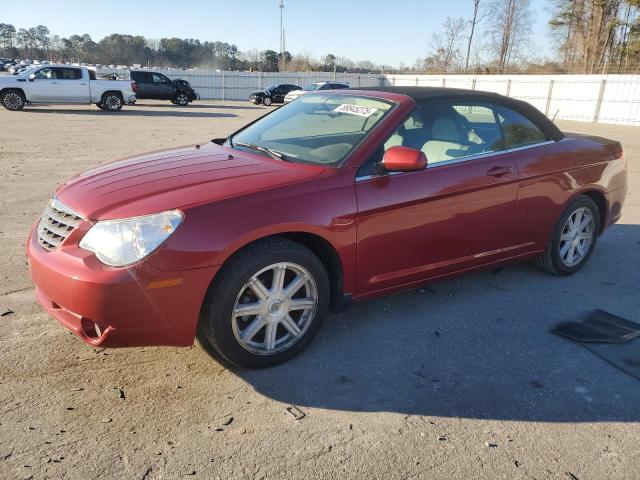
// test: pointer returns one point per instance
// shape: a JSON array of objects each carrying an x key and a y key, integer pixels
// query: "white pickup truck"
[{"x": 64, "y": 84}]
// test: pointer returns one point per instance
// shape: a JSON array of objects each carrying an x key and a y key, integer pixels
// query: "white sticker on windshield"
[{"x": 359, "y": 110}]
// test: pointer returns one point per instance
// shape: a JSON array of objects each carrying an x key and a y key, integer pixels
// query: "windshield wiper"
[{"x": 252, "y": 146}]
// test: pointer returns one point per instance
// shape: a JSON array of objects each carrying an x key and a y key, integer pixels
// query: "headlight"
[{"x": 121, "y": 242}]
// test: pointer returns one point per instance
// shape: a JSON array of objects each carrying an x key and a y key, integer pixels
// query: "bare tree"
[
  {"x": 474, "y": 21},
  {"x": 511, "y": 30},
  {"x": 445, "y": 55}
]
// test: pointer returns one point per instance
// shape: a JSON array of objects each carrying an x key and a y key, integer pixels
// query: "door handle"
[
  {"x": 499, "y": 171},
  {"x": 83, "y": 84}
]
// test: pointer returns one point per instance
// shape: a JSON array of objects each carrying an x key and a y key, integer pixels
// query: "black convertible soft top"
[{"x": 441, "y": 94}]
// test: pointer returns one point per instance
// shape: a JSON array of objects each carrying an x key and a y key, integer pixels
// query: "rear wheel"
[
  {"x": 13, "y": 100},
  {"x": 267, "y": 304},
  {"x": 266, "y": 101},
  {"x": 182, "y": 99},
  {"x": 112, "y": 102},
  {"x": 574, "y": 238}
]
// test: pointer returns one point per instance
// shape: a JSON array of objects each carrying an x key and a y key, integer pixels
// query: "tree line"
[
  {"x": 586, "y": 36},
  {"x": 118, "y": 49}
]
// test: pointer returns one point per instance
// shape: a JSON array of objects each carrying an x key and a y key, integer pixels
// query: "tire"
[
  {"x": 182, "y": 99},
  {"x": 112, "y": 102},
  {"x": 558, "y": 258},
  {"x": 266, "y": 101},
  {"x": 245, "y": 341},
  {"x": 13, "y": 100}
]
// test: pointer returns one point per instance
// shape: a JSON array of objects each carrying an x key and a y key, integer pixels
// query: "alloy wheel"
[
  {"x": 182, "y": 99},
  {"x": 112, "y": 102},
  {"x": 13, "y": 101},
  {"x": 577, "y": 237},
  {"x": 274, "y": 308}
]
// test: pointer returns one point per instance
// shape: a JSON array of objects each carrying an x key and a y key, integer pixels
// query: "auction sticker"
[{"x": 359, "y": 110}]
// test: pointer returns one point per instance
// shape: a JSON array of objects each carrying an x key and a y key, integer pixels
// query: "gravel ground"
[{"x": 460, "y": 379}]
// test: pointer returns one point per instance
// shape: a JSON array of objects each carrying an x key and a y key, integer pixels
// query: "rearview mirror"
[
  {"x": 404, "y": 159},
  {"x": 32, "y": 77}
]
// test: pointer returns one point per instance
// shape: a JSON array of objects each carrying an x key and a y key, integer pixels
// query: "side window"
[
  {"x": 449, "y": 131},
  {"x": 67, "y": 73},
  {"x": 44, "y": 74},
  {"x": 157, "y": 78},
  {"x": 326, "y": 86},
  {"x": 518, "y": 130}
]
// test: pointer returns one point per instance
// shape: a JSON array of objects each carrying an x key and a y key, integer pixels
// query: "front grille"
[{"x": 57, "y": 222}]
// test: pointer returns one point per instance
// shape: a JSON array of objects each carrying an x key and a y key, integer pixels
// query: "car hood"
[
  {"x": 9, "y": 80},
  {"x": 176, "y": 178},
  {"x": 260, "y": 92}
]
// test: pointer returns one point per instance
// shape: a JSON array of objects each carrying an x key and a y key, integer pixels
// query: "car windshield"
[
  {"x": 271, "y": 88},
  {"x": 313, "y": 86},
  {"x": 28, "y": 71},
  {"x": 320, "y": 128}
]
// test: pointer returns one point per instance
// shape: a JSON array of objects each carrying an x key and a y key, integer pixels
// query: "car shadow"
[
  {"x": 130, "y": 111},
  {"x": 140, "y": 103},
  {"x": 475, "y": 347}
]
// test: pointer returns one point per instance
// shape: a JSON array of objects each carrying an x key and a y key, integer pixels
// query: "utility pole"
[{"x": 281, "y": 36}]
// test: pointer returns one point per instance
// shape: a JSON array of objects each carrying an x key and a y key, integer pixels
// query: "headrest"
[{"x": 445, "y": 129}]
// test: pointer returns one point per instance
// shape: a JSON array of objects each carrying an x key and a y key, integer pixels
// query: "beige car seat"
[{"x": 446, "y": 141}]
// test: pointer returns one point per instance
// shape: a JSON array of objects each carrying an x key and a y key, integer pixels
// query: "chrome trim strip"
[
  {"x": 462, "y": 159},
  {"x": 548, "y": 142},
  {"x": 385, "y": 174},
  {"x": 61, "y": 207}
]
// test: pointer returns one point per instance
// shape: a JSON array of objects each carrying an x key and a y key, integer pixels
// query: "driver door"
[
  {"x": 162, "y": 86},
  {"x": 458, "y": 213},
  {"x": 42, "y": 87}
]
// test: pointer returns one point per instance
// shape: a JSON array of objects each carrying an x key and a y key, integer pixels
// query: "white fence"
[
  {"x": 225, "y": 85},
  {"x": 589, "y": 98}
]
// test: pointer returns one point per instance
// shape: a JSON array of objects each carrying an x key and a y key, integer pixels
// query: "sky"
[{"x": 383, "y": 31}]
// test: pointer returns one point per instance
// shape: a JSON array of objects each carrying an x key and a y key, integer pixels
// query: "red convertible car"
[{"x": 250, "y": 240}]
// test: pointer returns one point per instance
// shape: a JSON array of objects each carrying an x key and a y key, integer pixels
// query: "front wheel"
[
  {"x": 266, "y": 101},
  {"x": 267, "y": 304},
  {"x": 574, "y": 238},
  {"x": 13, "y": 100},
  {"x": 182, "y": 99}
]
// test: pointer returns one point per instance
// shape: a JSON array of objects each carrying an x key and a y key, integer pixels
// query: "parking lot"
[{"x": 458, "y": 379}]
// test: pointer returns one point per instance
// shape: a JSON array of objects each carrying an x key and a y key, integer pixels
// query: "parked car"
[
  {"x": 272, "y": 94},
  {"x": 153, "y": 85},
  {"x": 64, "y": 84},
  {"x": 340, "y": 195},
  {"x": 315, "y": 87}
]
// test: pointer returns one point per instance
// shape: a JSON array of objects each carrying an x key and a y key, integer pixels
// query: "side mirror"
[
  {"x": 32, "y": 77},
  {"x": 404, "y": 159}
]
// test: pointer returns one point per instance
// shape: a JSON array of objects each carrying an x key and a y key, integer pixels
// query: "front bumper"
[{"x": 117, "y": 307}]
